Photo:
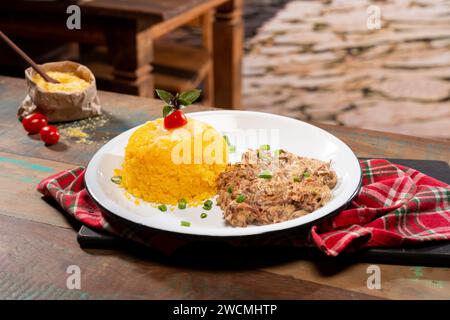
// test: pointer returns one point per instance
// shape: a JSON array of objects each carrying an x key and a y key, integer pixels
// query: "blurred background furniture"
[{"x": 126, "y": 43}]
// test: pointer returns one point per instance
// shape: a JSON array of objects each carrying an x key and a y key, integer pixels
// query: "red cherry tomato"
[
  {"x": 175, "y": 120},
  {"x": 34, "y": 122},
  {"x": 49, "y": 134}
]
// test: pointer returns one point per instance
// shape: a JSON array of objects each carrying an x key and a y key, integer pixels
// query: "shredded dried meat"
[{"x": 295, "y": 187}]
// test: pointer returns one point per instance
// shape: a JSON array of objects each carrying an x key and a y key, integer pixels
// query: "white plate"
[{"x": 293, "y": 135}]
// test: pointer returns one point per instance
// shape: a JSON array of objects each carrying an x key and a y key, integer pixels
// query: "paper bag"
[{"x": 61, "y": 106}]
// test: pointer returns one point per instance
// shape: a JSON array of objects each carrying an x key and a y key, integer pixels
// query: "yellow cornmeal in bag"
[
  {"x": 164, "y": 166},
  {"x": 68, "y": 82}
]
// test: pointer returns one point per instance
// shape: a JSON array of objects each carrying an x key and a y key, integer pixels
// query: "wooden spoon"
[{"x": 27, "y": 59}]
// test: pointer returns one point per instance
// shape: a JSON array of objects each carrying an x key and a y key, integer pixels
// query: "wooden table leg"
[
  {"x": 207, "y": 35},
  {"x": 228, "y": 51},
  {"x": 131, "y": 52}
]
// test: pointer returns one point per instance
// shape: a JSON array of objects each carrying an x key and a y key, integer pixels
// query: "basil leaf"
[
  {"x": 188, "y": 97},
  {"x": 184, "y": 102},
  {"x": 167, "y": 110},
  {"x": 164, "y": 95}
]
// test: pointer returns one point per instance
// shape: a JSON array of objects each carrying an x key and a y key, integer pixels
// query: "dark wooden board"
[{"x": 435, "y": 254}]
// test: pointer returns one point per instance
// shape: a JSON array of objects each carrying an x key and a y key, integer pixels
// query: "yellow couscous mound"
[
  {"x": 163, "y": 166},
  {"x": 68, "y": 82}
]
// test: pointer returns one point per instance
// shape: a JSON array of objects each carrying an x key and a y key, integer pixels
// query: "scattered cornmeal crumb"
[
  {"x": 76, "y": 133},
  {"x": 82, "y": 130},
  {"x": 137, "y": 202}
]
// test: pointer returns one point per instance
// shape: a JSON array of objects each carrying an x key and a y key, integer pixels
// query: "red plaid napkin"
[{"x": 396, "y": 205}]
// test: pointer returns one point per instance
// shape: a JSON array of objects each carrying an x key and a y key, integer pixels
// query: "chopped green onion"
[
  {"x": 207, "y": 205},
  {"x": 266, "y": 174},
  {"x": 240, "y": 198},
  {"x": 265, "y": 147},
  {"x": 182, "y": 204},
  {"x": 227, "y": 140},
  {"x": 277, "y": 152},
  {"x": 231, "y": 148},
  {"x": 116, "y": 179},
  {"x": 203, "y": 215},
  {"x": 306, "y": 174},
  {"x": 162, "y": 208},
  {"x": 185, "y": 223},
  {"x": 297, "y": 179},
  {"x": 263, "y": 154},
  {"x": 230, "y": 189}
]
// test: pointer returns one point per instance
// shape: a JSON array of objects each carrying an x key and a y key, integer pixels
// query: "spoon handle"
[{"x": 25, "y": 57}]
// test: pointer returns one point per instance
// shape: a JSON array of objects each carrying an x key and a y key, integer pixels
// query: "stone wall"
[{"x": 317, "y": 60}]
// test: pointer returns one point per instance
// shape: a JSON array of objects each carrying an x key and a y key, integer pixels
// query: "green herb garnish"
[
  {"x": 178, "y": 101},
  {"x": 297, "y": 179},
  {"x": 162, "y": 208},
  {"x": 227, "y": 140},
  {"x": 182, "y": 204},
  {"x": 185, "y": 223},
  {"x": 188, "y": 97},
  {"x": 265, "y": 147},
  {"x": 306, "y": 174},
  {"x": 167, "y": 110},
  {"x": 207, "y": 205},
  {"x": 231, "y": 148},
  {"x": 277, "y": 152},
  {"x": 203, "y": 215},
  {"x": 265, "y": 174},
  {"x": 240, "y": 198},
  {"x": 263, "y": 154},
  {"x": 230, "y": 189},
  {"x": 116, "y": 179}
]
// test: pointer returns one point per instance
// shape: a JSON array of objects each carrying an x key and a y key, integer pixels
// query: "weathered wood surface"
[
  {"x": 34, "y": 259},
  {"x": 370, "y": 143},
  {"x": 124, "y": 112},
  {"x": 35, "y": 232}
]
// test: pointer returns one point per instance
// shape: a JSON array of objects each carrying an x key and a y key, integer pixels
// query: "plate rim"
[{"x": 254, "y": 231}]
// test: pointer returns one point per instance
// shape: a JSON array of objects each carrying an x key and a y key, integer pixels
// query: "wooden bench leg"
[
  {"x": 131, "y": 53},
  {"x": 228, "y": 51}
]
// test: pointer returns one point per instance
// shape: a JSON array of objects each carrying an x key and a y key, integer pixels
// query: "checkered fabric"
[{"x": 396, "y": 206}]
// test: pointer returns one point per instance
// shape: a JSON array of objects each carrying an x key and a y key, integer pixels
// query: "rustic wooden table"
[
  {"x": 37, "y": 242},
  {"x": 129, "y": 28}
]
